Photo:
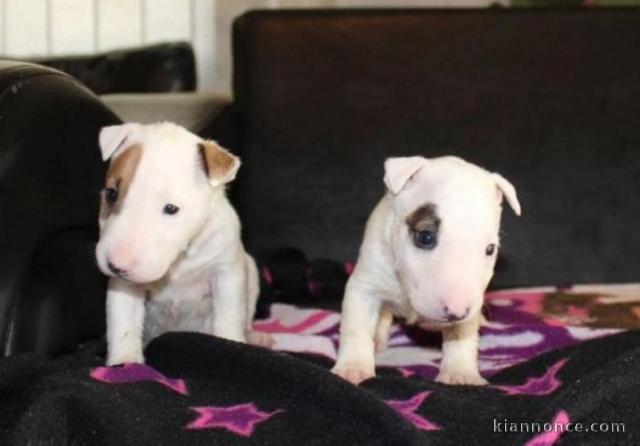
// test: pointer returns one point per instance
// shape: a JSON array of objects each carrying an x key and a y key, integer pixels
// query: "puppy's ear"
[
  {"x": 397, "y": 171},
  {"x": 220, "y": 165},
  {"x": 506, "y": 190},
  {"x": 113, "y": 137}
]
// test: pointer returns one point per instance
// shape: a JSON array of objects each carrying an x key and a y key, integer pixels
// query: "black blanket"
[{"x": 197, "y": 389}]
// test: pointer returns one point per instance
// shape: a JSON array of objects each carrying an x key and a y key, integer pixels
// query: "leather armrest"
[{"x": 51, "y": 296}]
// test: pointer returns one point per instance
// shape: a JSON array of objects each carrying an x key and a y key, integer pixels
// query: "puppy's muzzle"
[
  {"x": 120, "y": 272},
  {"x": 452, "y": 316}
]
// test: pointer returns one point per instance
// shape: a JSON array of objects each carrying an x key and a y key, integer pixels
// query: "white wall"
[{"x": 61, "y": 27}]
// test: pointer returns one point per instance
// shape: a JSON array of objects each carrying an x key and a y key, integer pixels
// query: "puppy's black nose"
[
  {"x": 115, "y": 270},
  {"x": 453, "y": 317}
]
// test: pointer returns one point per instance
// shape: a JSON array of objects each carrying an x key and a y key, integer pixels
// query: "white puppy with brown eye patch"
[
  {"x": 170, "y": 240},
  {"x": 428, "y": 254}
]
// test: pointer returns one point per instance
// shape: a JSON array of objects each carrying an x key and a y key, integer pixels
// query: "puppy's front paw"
[
  {"x": 260, "y": 339},
  {"x": 354, "y": 372},
  {"x": 461, "y": 377},
  {"x": 129, "y": 354}
]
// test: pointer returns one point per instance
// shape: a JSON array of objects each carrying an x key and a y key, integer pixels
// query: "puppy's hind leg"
[
  {"x": 229, "y": 288},
  {"x": 254, "y": 337},
  {"x": 381, "y": 337}
]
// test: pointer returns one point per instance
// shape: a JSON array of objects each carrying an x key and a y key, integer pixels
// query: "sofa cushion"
[{"x": 191, "y": 110}]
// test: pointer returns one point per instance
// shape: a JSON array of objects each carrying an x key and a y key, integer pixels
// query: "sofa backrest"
[
  {"x": 165, "y": 67},
  {"x": 548, "y": 98}
]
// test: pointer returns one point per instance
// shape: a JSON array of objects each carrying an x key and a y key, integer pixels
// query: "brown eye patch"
[
  {"x": 424, "y": 218},
  {"x": 111, "y": 195},
  {"x": 424, "y": 224},
  {"x": 120, "y": 174}
]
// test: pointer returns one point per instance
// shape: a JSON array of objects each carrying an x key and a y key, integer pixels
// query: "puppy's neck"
[
  {"x": 203, "y": 245},
  {"x": 216, "y": 214},
  {"x": 376, "y": 255}
]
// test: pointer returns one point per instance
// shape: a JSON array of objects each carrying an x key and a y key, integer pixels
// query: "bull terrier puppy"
[
  {"x": 428, "y": 254},
  {"x": 170, "y": 240}
]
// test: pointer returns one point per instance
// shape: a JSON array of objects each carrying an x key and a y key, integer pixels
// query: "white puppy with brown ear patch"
[
  {"x": 170, "y": 240},
  {"x": 428, "y": 254}
]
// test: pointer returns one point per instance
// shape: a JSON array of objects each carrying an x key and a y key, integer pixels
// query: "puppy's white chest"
[
  {"x": 179, "y": 307},
  {"x": 403, "y": 309}
]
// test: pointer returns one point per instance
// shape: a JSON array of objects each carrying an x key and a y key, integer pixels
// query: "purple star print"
[
  {"x": 406, "y": 372},
  {"x": 407, "y": 408},
  {"x": 133, "y": 373},
  {"x": 550, "y": 438},
  {"x": 240, "y": 419},
  {"x": 537, "y": 386}
]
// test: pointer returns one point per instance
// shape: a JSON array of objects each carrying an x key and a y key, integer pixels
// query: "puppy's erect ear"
[
  {"x": 506, "y": 190},
  {"x": 220, "y": 165},
  {"x": 397, "y": 171},
  {"x": 113, "y": 137}
]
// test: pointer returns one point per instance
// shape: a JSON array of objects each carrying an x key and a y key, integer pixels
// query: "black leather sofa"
[
  {"x": 164, "y": 67},
  {"x": 548, "y": 98},
  {"x": 51, "y": 295}
]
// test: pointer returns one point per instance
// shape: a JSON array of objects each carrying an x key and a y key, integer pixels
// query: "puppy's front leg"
[
  {"x": 460, "y": 354},
  {"x": 360, "y": 313},
  {"x": 125, "y": 322},
  {"x": 230, "y": 303}
]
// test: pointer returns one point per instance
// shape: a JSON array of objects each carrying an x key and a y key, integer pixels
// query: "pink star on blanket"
[
  {"x": 132, "y": 373},
  {"x": 407, "y": 408},
  {"x": 542, "y": 385},
  {"x": 240, "y": 419}
]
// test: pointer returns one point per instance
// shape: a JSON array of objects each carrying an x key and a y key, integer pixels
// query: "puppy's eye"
[
  {"x": 170, "y": 209},
  {"x": 425, "y": 239},
  {"x": 491, "y": 248},
  {"x": 110, "y": 195}
]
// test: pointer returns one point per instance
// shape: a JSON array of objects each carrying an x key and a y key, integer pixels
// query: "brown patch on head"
[
  {"x": 425, "y": 218},
  {"x": 121, "y": 172},
  {"x": 219, "y": 164}
]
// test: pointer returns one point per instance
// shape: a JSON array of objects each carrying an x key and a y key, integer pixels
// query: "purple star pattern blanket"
[
  {"x": 520, "y": 324},
  {"x": 563, "y": 366}
]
